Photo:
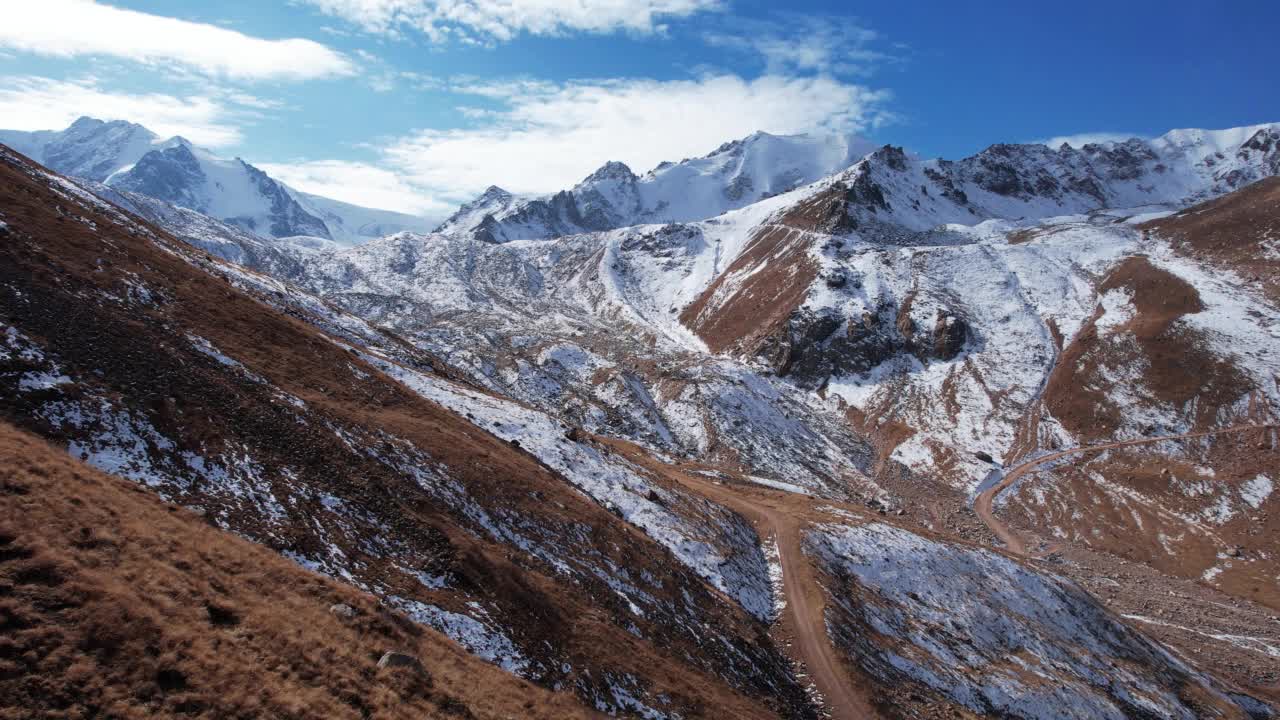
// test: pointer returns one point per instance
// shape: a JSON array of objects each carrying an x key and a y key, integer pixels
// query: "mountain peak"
[
  {"x": 84, "y": 122},
  {"x": 612, "y": 170}
]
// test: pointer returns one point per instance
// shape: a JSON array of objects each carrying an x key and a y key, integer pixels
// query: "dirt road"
[
  {"x": 982, "y": 505},
  {"x": 805, "y": 597}
]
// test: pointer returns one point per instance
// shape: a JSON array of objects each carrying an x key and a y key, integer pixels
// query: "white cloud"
[
  {"x": 76, "y": 28},
  {"x": 805, "y": 43},
  {"x": 551, "y": 136},
  {"x": 37, "y": 103},
  {"x": 501, "y": 20},
  {"x": 359, "y": 183},
  {"x": 1079, "y": 140},
  {"x": 546, "y": 136}
]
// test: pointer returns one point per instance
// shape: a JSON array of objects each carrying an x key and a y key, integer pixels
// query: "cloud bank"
[
  {"x": 79, "y": 28},
  {"x": 40, "y": 103},
  {"x": 547, "y": 136}
]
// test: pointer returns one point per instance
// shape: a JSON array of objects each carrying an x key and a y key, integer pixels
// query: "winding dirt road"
[{"x": 982, "y": 505}]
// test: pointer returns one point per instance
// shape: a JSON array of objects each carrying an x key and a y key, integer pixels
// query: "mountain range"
[
  {"x": 129, "y": 157},
  {"x": 801, "y": 428}
]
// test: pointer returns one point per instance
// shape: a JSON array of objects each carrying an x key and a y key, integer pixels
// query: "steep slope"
[
  {"x": 735, "y": 175},
  {"x": 992, "y": 636},
  {"x": 888, "y": 286},
  {"x": 276, "y": 257},
  {"x": 115, "y": 602},
  {"x": 1012, "y": 182},
  {"x": 203, "y": 382},
  {"x": 540, "y": 322},
  {"x": 351, "y": 224},
  {"x": 1239, "y": 233}
]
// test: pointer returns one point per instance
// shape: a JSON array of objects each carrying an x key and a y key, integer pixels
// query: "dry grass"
[
  {"x": 114, "y": 604},
  {"x": 54, "y": 271},
  {"x": 1232, "y": 232},
  {"x": 1179, "y": 368}
]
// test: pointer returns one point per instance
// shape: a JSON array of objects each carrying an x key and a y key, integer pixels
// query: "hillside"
[
  {"x": 117, "y": 603},
  {"x": 118, "y": 345},
  {"x": 720, "y": 467},
  {"x": 734, "y": 175}
]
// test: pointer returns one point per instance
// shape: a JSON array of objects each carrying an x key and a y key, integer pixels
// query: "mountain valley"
[{"x": 801, "y": 428}]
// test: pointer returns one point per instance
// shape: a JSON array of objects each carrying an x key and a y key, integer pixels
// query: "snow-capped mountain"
[
  {"x": 133, "y": 159},
  {"x": 1024, "y": 182},
  {"x": 735, "y": 175},
  {"x": 89, "y": 148},
  {"x": 230, "y": 190}
]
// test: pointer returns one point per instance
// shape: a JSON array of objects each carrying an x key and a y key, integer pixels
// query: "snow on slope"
[
  {"x": 920, "y": 296},
  {"x": 735, "y": 175},
  {"x": 230, "y": 190},
  {"x": 1023, "y": 182},
  {"x": 541, "y": 321},
  {"x": 1007, "y": 296},
  {"x": 992, "y": 635},
  {"x": 351, "y": 224},
  {"x": 723, "y": 549}
]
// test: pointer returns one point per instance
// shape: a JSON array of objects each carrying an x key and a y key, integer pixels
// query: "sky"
[{"x": 418, "y": 105}]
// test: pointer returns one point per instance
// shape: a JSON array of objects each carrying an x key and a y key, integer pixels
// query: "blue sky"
[{"x": 418, "y": 104}]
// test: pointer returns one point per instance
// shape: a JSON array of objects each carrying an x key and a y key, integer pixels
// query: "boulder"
[
  {"x": 392, "y": 659},
  {"x": 343, "y": 610}
]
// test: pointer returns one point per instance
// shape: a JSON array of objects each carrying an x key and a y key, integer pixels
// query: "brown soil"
[
  {"x": 763, "y": 303},
  {"x": 114, "y": 604},
  {"x": 1179, "y": 369},
  {"x": 1152, "y": 509}
]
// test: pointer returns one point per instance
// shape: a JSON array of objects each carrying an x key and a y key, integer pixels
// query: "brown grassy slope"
[
  {"x": 1177, "y": 367},
  {"x": 1233, "y": 232},
  {"x": 60, "y": 262},
  {"x": 776, "y": 273},
  {"x": 114, "y": 604}
]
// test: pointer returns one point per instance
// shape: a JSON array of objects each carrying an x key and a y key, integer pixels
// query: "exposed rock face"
[
  {"x": 949, "y": 334},
  {"x": 286, "y": 216},
  {"x": 1032, "y": 180},
  {"x": 734, "y": 175},
  {"x": 818, "y": 345},
  {"x": 392, "y": 659},
  {"x": 171, "y": 175},
  {"x": 267, "y": 425}
]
